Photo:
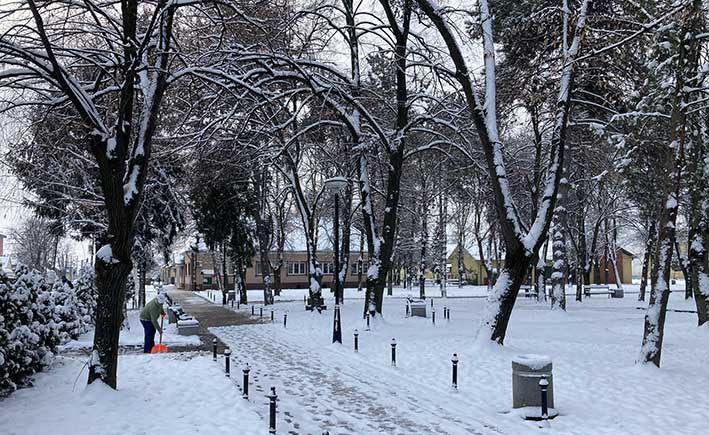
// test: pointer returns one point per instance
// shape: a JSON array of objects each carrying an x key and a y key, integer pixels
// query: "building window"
[
  {"x": 259, "y": 268},
  {"x": 353, "y": 267},
  {"x": 297, "y": 268},
  {"x": 327, "y": 268}
]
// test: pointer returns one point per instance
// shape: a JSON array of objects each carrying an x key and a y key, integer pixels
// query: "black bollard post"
[
  {"x": 356, "y": 343},
  {"x": 407, "y": 310},
  {"x": 260, "y": 312},
  {"x": 253, "y": 310},
  {"x": 285, "y": 319},
  {"x": 271, "y": 316},
  {"x": 367, "y": 322},
  {"x": 543, "y": 385},
  {"x": 431, "y": 302},
  {"x": 454, "y": 360},
  {"x": 232, "y": 303},
  {"x": 393, "y": 352},
  {"x": 214, "y": 349},
  {"x": 433, "y": 315},
  {"x": 272, "y": 410},
  {"x": 245, "y": 385},
  {"x": 227, "y": 362},
  {"x": 337, "y": 326},
  {"x": 238, "y": 304}
]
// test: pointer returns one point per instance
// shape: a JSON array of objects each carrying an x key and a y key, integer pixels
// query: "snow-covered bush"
[
  {"x": 29, "y": 333},
  {"x": 67, "y": 312},
  {"x": 85, "y": 289}
]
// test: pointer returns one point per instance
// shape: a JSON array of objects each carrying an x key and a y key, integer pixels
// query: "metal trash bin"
[
  {"x": 618, "y": 293},
  {"x": 527, "y": 370},
  {"x": 418, "y": 308}
]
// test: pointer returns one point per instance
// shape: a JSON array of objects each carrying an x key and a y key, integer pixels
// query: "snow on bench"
[
  {"x": 187, "y": 325},
  {"x": 588, "y": 290},
  {"x": 529, "y": 292}
]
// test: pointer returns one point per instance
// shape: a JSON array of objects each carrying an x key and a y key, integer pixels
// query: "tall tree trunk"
[
  {"x": 652, "y": 232},
  {"x": 685, "y": 271},
  {"x": 111, "y": 282},
  {"x": 423, "y": 242},
  {"x": 225, "y": 271},
  {"x": 539, "y": 278},
  {"x": 265, "y": 268},
  {"x": 559, "y": 269},
  {"x": 381, "y": 251},
  {"x": 613, "y": 252},
  {"x": 360, "y": 261},
  {"x": 461, "y": 260},
  {"x": 583, "y": 268},
  {"x": 651, "y": 350},
  {"x": 503, "y": 295},
  {"x": 698, "y": 167},
  {"x": 687, "y": 59},
  {"x": 345, "y": 245}
]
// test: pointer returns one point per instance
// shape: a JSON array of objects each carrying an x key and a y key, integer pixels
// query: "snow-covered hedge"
[
  {"x": 34, "y": 319},
  {"x": 85, "y": 289}
]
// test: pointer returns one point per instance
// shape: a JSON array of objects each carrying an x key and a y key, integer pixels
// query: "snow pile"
[{"x": 176, "y": 394}]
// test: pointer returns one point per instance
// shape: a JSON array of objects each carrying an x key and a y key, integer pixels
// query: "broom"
[{"x": 160, "y": 348}]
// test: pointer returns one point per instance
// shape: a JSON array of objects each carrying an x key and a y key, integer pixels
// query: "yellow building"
[{"x": 475, "y": 273}]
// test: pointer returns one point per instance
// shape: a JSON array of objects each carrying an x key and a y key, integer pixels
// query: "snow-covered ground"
[
  {"x": 292, "y": 295},
  {"x": 134, "y": 335},
  {"x": 598, "y": 389},
  {"x": 175, "y": 394}
]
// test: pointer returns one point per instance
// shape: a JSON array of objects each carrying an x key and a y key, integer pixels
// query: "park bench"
[{"x": 589, "y": 290}]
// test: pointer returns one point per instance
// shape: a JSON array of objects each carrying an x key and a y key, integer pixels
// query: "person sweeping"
[{"x": 149, "y": 319}]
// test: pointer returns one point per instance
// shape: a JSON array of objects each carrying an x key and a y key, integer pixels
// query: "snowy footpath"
[
  {"x": 175, "y": 394},
  {"x": 598, "y": 389},
  {"x": 133, "y": 336}
]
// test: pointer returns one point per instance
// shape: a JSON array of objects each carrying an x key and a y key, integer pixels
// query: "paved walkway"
[
  {"x": 325, "y": 389},
  {"x": 209, "y": 315}
]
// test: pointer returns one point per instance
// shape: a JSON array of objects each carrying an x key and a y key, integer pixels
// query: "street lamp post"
[
  {"x": 335, "y": 184},
  {"x": 336, "y": 251}
]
